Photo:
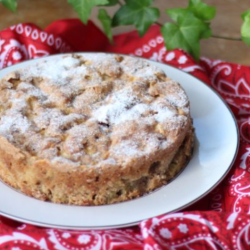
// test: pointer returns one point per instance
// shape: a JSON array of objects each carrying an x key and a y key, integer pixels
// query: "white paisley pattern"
[{"x": 225, "y": 226}]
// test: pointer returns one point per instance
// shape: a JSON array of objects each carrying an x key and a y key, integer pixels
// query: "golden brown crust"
[{"x": 105, "y": 131}]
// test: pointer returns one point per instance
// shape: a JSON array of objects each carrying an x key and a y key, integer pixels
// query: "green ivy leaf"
[
  {"x": 185, "y": 33},
  {"x": 245, "y": 14},
  {"x": 138, "y": 13},
  {"x": 202, "y": 10},
  {"x": 245, "y": 28},
  {"x": 207, "y": 33},
  {"x": 10, "y": 4},
  {"x": 84, "y": 7},
  {"x": 106, "y": 23},
  {"x": 175, "y": 13},
  {"x": 189, "y": 27}
]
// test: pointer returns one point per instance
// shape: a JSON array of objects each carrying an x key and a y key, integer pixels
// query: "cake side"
[{"x": 90, "y": 186}]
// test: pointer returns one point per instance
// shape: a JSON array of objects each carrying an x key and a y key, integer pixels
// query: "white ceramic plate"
[{"x": 215, "y": 150}]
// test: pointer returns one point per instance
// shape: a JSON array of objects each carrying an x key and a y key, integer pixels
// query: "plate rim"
[{"x": 44, "y": 224}]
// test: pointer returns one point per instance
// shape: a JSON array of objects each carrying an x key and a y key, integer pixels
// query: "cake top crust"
[{"x": 92, "y": 110}]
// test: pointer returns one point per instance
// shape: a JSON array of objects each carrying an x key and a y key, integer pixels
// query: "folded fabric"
[{"x": 221, "y": 220}]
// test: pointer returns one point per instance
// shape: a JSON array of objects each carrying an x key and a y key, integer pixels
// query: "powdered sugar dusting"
[
  {"x": 128, "y": 149},
  {"x": 54, "y": 70},
  {"x": 117, "y": 105},
  {"x": 179, "y": 101},
  {"x": 98, "y": 57},
  {"x": 13, "y": 124},
  {"x": 124, "y": 110},
  {"x": 125, "y": 106},
  {"x": 64, "y": 161},
  {"x": 147, "y": 73}
]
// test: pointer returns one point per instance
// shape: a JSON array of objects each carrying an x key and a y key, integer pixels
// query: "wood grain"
[{"x": 227, "y": 22}]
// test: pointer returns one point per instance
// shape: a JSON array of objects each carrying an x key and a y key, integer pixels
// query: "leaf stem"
[
  {"x": 160, "y": 24},
  {"x": 227, "y": 38},
  {"x": 120, "y": 3}
]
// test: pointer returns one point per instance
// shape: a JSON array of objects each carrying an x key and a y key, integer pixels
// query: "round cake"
[{"x": 92, "y": 129}]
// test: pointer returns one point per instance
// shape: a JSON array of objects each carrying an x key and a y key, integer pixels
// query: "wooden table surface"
[{"x": 226, "y": 23}]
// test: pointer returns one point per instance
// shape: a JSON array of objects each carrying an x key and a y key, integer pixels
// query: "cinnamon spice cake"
[{"x": 92, "y": 129}]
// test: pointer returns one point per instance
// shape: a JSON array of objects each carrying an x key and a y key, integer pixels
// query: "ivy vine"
[{"x": 189, "y": 25}]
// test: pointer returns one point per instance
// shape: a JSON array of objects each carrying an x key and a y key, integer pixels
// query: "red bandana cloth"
[{"x": 221, "y": 220}]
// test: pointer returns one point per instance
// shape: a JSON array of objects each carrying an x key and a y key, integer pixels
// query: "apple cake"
[{"x": 92, "y": 129}]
